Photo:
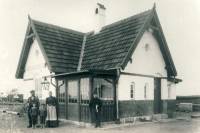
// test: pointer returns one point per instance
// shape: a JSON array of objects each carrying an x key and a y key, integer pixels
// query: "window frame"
[
  {"x": 146, "y": 87},
  {"x": 132, "y": 90},
  {"x": 73, "y": 95},
  {"x": 101, "y": 85},
  {"x": 61, "y": 92}
]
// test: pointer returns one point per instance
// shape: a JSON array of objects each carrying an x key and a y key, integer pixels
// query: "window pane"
[
  {"x": 73, "y": 91},
  {"x": 103, "y": 87},
  {"x": 132, "y": 90},
  {"x": 84, "y": 90},
  {"x": 61, "y": 91},
  {"x": 146, "y": 87},
  {"x": 62, "y": 88},
  {"x": 131, "y": 95}
]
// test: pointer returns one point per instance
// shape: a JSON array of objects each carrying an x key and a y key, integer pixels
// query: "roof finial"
[
  {"x": 154, "y": 5},
  {"x": 29, "y": 17}
]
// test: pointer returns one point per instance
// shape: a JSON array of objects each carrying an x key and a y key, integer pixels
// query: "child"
[
  {"x": 42, "y": 114},
  {"x": 34, "y": 115}
]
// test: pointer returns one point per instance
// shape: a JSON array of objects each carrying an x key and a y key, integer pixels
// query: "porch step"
[
  {"x": 182, "y": 115},
  {"x": 127, "y": 120},
  {"x": 75, "y": 123},
  {"x": 195, "y": 115},
  {"x": 155, "y": 117},
  {"x": 158, "y": 117}
]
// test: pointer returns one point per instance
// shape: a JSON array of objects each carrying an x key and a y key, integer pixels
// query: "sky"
[{"x": 180, "y": 20}]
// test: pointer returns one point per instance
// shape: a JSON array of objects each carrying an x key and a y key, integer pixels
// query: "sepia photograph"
[{"x": 100, "y": 66}]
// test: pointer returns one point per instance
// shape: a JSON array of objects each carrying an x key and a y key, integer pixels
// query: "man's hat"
[{"x": 32, "y": 91}]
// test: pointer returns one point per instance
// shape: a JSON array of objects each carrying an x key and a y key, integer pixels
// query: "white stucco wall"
[
  {"x": 35, "y": 65},
  {"x": 124, "y": 87},
  {"x": 149, "y": 62},
  {"x": 171, "y": 90},
  {"x": 164, "y": 89},
  {"x": 146, "y": 62},
  {"x": 35, "y": 69},
  {"x": 168, "y": 90}
]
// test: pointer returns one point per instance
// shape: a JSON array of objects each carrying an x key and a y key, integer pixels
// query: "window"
[
  {"x": 104, "y": 88},
  {"x": 96, "y": 11},
  {"x": 146, "y": 87},
  {"x": 84, "y": 90},
  {"x": 61, "y": 91},
  {"x": 73, "y": 91},
  {"x": 132, "y": 90}
]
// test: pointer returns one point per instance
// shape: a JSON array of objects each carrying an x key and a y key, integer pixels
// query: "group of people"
[{"x": 47, "y": 112}]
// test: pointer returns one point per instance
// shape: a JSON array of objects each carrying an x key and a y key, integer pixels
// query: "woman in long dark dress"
[{"x": 51, "y": 104}]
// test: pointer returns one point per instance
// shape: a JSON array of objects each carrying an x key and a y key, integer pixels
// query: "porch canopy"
[{"x": 78, "y": 88}]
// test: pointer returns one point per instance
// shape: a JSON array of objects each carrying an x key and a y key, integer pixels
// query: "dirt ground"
[{"x": 15, "y": 124}]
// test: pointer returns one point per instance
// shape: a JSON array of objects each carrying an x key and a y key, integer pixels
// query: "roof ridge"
[
  {"x": 58, "y": 27},
  {"x": 125, "y": 19},
  {"x": 82, "y": 52},
  {"x": 91, "y": 32}
]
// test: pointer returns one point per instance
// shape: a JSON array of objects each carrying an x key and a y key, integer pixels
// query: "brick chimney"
[{"x": 99, "y": 17}]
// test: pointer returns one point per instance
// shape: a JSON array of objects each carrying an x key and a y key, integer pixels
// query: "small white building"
[{"x": 127, "y": 63}]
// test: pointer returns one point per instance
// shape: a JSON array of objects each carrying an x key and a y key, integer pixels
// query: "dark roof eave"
[
  {"x": 111, "y": 72},
  {"x": 175, "y": 80},
  {"x": 172, "y": 65},
  {"x": 20, "y": 69},
  {"x": 173, "y": 71}
]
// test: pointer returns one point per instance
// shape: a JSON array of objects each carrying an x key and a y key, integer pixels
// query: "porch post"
[
  {"x": 116, "y": 98},
  {"x": 91, "y": 80},
  {"x": 57, "y": 110},
  {"x": 56, "y": 87},
  {"x": 79, "y": 101},
  {"x": 118, "y": 72},
  {"x": 66, "y": 98}
]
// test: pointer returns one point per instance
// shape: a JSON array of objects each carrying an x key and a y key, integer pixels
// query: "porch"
[{"x": 74, "y": 92}]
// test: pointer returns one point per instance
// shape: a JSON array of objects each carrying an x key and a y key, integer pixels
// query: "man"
[
  {"x": 95, "y": 107},
  {"x": 32, "y": 100}
]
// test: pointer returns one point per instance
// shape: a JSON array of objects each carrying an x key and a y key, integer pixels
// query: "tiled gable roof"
[
  {"x": 108, "y": 48},
  {"x": 62, "y": 46},
  {"x": 111, "y": 48}
]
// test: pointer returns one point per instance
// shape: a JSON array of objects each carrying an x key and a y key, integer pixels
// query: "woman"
[{"x": 51, "y": 104}]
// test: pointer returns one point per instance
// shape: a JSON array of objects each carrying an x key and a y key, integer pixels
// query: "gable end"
[{"x": 158, "y": 33}]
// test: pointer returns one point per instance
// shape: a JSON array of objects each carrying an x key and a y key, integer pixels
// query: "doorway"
[
  {"x": 157, "y": 95},
  {"x": 73, "y": 97},
  {"x": 104, "y": 88}
]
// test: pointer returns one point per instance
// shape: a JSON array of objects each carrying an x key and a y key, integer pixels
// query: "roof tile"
[
  {"x": 61, "y": 45},
  {"x": 108, "y": 48}
]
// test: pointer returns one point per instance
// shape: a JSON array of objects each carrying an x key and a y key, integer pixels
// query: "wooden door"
[
  {"x": 85, "y": 99},
  {"x": 157, "y": 95},
  {"x": 62, "y": 99},
  {"x": 73, "y": 100},
  {"x": 104, "y": 88}
]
